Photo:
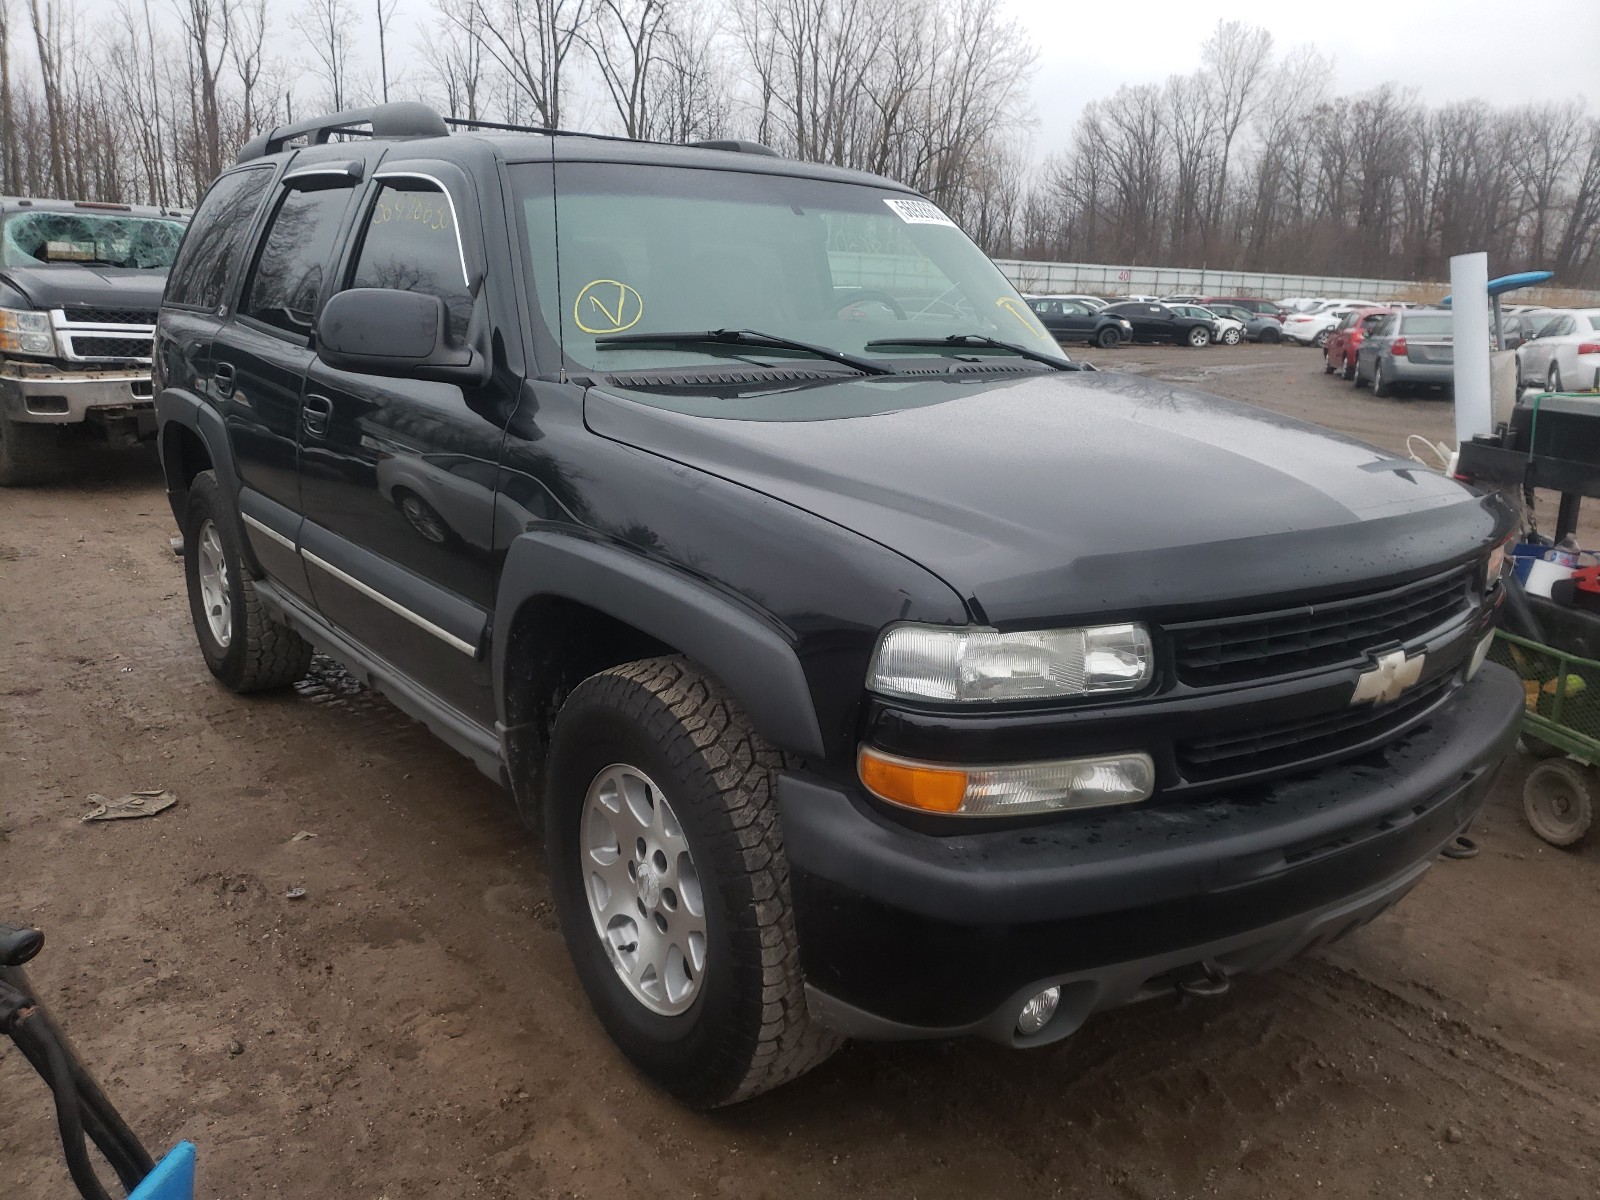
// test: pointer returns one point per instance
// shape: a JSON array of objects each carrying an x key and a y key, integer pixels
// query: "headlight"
[
  {"x": 1014, "y": 789},
  {"x": 1495, "y": 569},
  {"x": 941, "y": 663},
  {"x": 23, "y": 331}
]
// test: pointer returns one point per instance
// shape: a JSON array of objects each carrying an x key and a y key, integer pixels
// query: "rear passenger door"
[
  {"x": 397, "y": 475},
  {"x": 260, "y": 359}
]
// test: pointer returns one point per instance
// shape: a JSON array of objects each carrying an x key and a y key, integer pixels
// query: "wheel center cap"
[{"x": 649, "y": 884}]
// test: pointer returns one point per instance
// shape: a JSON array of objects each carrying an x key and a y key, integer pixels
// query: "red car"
[{"x": 1339, "y": 351}]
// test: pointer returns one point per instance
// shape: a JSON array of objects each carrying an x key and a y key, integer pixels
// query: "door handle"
[
  {"x": 315, "y": 414},
  {"x": 222, "y": 378}
]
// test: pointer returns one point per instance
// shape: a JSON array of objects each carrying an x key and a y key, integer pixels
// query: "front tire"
[
  {"x": 30, "y": 452},
  {"x": 1231, "y": 338},
  {"x": 1108, "y": 339},
  {"x": 655, "y": 753},
  {"x": 243, "y": 646},
  {"x": 1199, "y": 336}
]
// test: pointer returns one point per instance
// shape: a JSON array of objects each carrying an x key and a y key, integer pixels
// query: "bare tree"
[
  {"x": 385, "y": 13},
  {"x": 329, "y": 27},
  {"x": 50, "y": 40},
  {"x": 625, "y": 39},
  {"x": 9, "y": 171},
  {"x": 206, "y": 27},
  {"x": 530, "y": 41}
]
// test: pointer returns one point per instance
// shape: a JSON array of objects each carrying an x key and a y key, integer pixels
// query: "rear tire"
[
  {"x": 1553, "y": 381},
  {"x": 1557, "y": 802},
  {"x": 736, "y": 1023},
  {"x": 1327, "y": 362},
  {"x": 30, "y": 452},
  {"x": 243, "y": 646},
  {"x": 1321, "y": 339},
  {"x": 1199, "y": 336},
  {"x": 1348, "y": 371},
  {"x": 1381, "y": 387}
]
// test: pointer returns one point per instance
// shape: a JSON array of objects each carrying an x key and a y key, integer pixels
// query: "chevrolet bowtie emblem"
[{"x": 1388, "y": 678}]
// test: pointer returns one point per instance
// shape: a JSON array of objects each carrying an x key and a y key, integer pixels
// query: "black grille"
[
  {"x": 110, "y": 316},
  {"x": 1316, "y": 636},
  {"x": 112, "y": 347},
  {"x": 1267, "y": 748}
]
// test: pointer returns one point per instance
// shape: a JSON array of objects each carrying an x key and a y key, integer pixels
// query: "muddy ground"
[{"x": 411, "y": 1028}]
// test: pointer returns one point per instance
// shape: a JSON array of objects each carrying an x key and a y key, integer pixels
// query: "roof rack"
[
  {"x": 402, "y": 119},
  {"x": 408, "y": 119}
]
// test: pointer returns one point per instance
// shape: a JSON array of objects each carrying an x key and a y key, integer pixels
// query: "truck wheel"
[
  {"x": 1381, "y": 387},
  {"x": 1108, "y": 339},
  {"x": 30, "y": 452},
  {"x": 1199, "y": 336},
  {"x": 243, "y": 646},
  {"x": 669, "y": 876},
  {"x": 1557, "y": 803}
]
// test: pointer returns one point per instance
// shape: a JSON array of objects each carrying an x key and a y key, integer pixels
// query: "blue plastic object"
[
  {"x": 173, "y": 1178},
  {"x": 1510, "y": 283}
]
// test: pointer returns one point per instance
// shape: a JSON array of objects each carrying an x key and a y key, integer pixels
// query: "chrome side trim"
[
  {"x": 394, "y": 606},
  {"x": 272, "y": 533},
  {"x": 455, "y": 224}
]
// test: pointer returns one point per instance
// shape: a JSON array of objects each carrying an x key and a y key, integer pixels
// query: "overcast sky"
[{"x": 1504, "y": 51}]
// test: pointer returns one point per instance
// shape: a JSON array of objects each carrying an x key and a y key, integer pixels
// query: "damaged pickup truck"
[{"x": 80, "y": 284}]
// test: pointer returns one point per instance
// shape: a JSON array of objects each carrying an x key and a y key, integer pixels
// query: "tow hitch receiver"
[{"x": 1204, "y": 978}]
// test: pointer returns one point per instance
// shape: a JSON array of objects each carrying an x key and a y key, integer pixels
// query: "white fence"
[{"x": 1099, "y": 279}]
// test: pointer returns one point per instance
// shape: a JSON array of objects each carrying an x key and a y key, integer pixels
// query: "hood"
[
  {"x": 1076, "y": 494},
  {"x": 71, "y": 285}
]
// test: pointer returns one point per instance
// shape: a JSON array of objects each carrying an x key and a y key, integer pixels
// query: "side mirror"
[{"x": 383, "y": 331}]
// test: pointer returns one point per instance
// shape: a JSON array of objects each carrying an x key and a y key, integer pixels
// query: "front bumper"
[
  {"x": 909, "y": 934},
  {"x": 45, "y": 395}
]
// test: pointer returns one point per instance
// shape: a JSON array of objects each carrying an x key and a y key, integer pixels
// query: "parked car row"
[
  {"x": 1557, "y": 349},
  {"x": 1178, "y": 320}
]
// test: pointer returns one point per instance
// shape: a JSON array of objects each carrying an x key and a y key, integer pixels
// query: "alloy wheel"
[
  {"x": 214, "y": 591},
  {"x": 643, "y": 889}
]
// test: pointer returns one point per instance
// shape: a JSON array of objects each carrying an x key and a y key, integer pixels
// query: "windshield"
[
  {"x": 631, "y": 249},
  {"x": 31, "y": 239}
]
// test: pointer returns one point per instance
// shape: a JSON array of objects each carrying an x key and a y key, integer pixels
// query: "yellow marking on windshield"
[
  {"x": 1026, "y": 316},
  {"x": 598, "y": 309}
]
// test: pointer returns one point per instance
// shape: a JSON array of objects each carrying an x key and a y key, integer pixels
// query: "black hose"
[{"x": 50, "y": 1059}]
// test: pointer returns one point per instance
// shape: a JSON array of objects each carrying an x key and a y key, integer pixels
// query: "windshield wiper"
[
  {"x": 743, "y": 337},
  {"x": 959, "y": 340}
]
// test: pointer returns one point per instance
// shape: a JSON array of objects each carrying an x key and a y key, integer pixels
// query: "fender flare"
[
  {"x": 750, "y": 653},
  {"x": 181, "y": 408}
]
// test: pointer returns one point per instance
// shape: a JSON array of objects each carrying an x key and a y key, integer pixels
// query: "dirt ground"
[{"x": 411, "y": 1028}]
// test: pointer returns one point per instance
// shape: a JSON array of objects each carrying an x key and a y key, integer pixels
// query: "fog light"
[
  {"x": 1479, "y": 653},
  {"x": 1036, "y": 1013}
]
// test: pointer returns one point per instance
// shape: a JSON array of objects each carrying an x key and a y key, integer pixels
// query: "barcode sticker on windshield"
[{"x": 919, "y": 212}]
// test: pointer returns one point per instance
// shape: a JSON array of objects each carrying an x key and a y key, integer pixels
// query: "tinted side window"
[
  {"x": 216, "y": 239},
  {"x": 287, "y": 280},
  {"x": 410, "y": 243}
]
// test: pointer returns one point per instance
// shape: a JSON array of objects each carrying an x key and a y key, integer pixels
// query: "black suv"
[{"x": 870, "y": 670}]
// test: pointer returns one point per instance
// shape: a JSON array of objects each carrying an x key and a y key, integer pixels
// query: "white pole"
[{"x": 1469, "y": 308}]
